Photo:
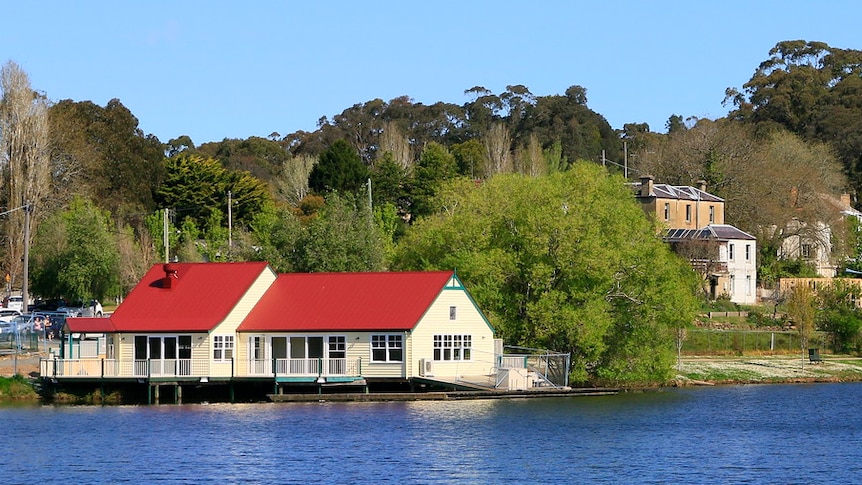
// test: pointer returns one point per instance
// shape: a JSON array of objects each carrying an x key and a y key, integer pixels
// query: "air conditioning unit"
[{"x": 425, "y": 367}]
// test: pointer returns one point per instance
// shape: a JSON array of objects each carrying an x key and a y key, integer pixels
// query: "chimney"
[
  {"x": 170, "y": 275},
  {"x": 701, "y": 185},
  {"x": 845, "y": 201},
  {"x": 646, "y": 186}
]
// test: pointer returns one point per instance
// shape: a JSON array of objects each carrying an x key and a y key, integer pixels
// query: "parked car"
[
  {"x": 7, "y": 314},
  {"x": 14, "y": 303},
  {"x": 50, "y": 305},
  {"x": 92, "y": 309},
  {"x": 21, "y": 324}
]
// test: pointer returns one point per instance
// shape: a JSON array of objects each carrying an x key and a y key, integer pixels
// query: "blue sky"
[{"x": 215, "y": 70}]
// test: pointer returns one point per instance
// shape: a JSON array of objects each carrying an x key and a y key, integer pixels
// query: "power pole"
[
  {"x": 25, "y": 285},
  {"x": 229, "y": 221},
  {"x": 165, "y": 238}
]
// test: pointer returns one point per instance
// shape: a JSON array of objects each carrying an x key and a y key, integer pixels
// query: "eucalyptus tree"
[{"x": 813, "y": 90}]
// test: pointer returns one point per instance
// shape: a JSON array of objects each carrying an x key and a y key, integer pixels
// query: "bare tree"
[
  {"x": 498, "y": 143},
  {"x": 529, "y": 159},
  {"x": 775, "y": 186},
  {"x": 703, "y": 255},
  {"x": 392, "y": 140},
  {"x": 292, "y": 181},
  {"x": 24, "y": 159}
]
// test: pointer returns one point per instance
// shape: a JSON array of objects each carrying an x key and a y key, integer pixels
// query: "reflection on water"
[{"x": 745, "y": 434}]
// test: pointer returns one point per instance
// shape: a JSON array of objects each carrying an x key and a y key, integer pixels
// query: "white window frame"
[
  {"x": 336, "y": 344},
  {"x": 453, "y": 312},
  {"x": 391, "y": 344},
  {"x": 730, "y": 251},
  {"x": 748, "y": 252},
  {"x": 224, "y": 347},
  {"x": 688, "y": 213},
  {"x": 448, "y": 347}
]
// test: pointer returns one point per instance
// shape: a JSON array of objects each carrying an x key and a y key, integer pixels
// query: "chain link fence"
[{"x": 738, "y": 342}]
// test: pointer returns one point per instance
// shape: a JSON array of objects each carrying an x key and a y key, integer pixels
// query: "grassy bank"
[
  {"x": 17, "y": 388},
  {"x": 767, "y": 369}
]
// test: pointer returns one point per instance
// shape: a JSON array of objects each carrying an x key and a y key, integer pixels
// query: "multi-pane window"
[
  {"x": 688, "y": 213},
  {"x": 337, "y": 347},
  {"x": 387, "y": 348},
  {"x": 748, "y": 252},
  {"x": 222, "y": 347},
  {"x": 730, "y": 251},
  {"x": 453, "y": 347},
  {"x": 667, "y": 211},
  {"x": 453, "y": 312},
  {"x": 711, "y": 214}
]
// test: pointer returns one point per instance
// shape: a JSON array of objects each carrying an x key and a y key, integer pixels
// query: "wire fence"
[
  {"x": 28, "y": 341},
  {"x": 738, "y": 342}
]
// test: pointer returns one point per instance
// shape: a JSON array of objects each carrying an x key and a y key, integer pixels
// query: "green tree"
[
  {"x": 839, "y": 314},
  {"x": 436, "y": 165},
  {"x": 565, "y": 262},
  {"x": 102, "y": 154},
  {"x": 196, "y": 187},
  {"x": 802, "y": 311},
  {"x": 814, "y": 91},
  {"x": 341, "y": 238},
  {"x": 339, "y": 169},
  {"x": 274, "y": 234},
  {"x": 76, "y": 254}
]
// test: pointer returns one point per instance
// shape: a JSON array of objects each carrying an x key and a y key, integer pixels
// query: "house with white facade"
[
  {"x": 725, "y": 256},
  {"x": 692, "y": 221}
]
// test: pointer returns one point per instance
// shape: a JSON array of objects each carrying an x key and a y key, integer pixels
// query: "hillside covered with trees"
[{"x": 523, "y": 194}]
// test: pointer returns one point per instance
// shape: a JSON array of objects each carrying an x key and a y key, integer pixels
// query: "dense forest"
[{"x": 524, "y": 194}]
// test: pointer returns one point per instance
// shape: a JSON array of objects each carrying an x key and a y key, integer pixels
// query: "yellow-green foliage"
[{"x": 566, "y": 262}]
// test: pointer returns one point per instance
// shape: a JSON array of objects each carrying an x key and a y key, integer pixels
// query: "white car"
[
  {"x": 14, "y": 303},
  {"x": 7, "y": 314},
  {"x": 93, "y": 309}
]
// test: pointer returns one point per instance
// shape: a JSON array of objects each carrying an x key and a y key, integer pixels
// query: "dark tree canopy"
[
  {"x": 103, "y": 155},
  {"x": 339, "y": 169},
  {"x": 812, "y": 90}
]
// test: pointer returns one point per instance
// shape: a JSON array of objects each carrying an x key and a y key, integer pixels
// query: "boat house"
[{"x": 194, "y": 325}]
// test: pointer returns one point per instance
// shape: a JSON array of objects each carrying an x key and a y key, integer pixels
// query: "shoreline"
[{"x": 692, "y": 371}]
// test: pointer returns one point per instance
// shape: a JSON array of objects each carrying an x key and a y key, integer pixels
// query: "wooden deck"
[{"x": 441, "y": 396}]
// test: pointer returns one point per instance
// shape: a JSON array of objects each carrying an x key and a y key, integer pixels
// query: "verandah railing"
[{"x": 145, "y": 368}]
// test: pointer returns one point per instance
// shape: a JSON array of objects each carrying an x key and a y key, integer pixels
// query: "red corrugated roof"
[
  {"x": 345, "y": 301},
  {"x": 90, "y": 325},
  {"x": 199, "y": 297}
]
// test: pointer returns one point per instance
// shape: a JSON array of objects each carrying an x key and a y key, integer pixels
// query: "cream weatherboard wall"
[
  {"x": 439, "y": 320},
  {"x": 202, "y": 342}
]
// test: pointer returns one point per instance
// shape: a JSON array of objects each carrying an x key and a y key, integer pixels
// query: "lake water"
[{"x": 740, "y": 434}]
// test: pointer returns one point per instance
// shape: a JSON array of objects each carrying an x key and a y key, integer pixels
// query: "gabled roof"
[
  {"x": 717, "y": 232},
  {"x": 346, "y": 301},
  {"x": 189, "y": 297},
  {"x": 90, "y": 325}
]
